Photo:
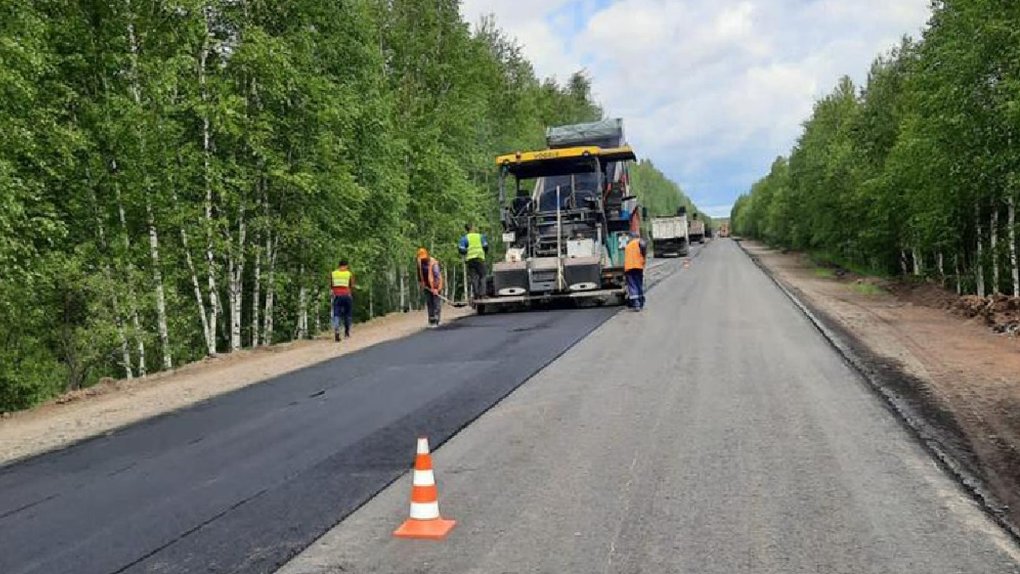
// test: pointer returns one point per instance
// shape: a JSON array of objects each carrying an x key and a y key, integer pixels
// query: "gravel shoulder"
[
  {"x": 111, "y": 405},
  {"x": 956, "y": 373}
]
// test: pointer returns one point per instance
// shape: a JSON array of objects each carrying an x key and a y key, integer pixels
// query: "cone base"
[{"x": 427, "y": 529}]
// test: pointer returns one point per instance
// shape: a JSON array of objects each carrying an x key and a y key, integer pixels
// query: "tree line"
[
  {"x": 916, "y": 173},
  {"x": 658, "y": 194},
  {"x": 178, "y": 176}
]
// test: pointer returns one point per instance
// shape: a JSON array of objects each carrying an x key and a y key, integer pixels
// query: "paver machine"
[{"x": 566, "y": 212}]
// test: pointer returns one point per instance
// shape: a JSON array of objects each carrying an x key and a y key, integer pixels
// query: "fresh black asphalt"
[{"x": 242, "y": 482}]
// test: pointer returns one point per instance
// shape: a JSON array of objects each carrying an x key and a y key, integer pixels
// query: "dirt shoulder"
[
  {"x": 108, "y": 406},
  {"x": 931, "y": 349}
]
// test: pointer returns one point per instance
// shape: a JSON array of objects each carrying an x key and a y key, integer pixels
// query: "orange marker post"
[{"x": 425, "y": 521}]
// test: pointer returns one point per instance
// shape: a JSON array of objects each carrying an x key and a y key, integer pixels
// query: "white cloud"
[{"x": 710, "y": 90}]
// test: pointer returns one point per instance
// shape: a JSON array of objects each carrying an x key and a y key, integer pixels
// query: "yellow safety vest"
[
  {"x": 475, "y": 249},
  {"x": 341, "y": 277}
]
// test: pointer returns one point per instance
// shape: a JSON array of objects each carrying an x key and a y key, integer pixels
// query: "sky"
[{"x": 712, "y": 91}]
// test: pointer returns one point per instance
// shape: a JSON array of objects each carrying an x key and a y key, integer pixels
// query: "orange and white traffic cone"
[{"x": 425, "y": 521}]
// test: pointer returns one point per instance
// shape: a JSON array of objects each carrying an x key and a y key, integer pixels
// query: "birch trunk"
[
  {"x": 403, "y": 293},
  {"x": 235, "y": 272},
  {"x": 994, "y": 247},
  {"x": 208, "y": 332},
  {"x": 979, "y": 264},
  {"x": 214, "y": 300},
  {"x": 256, "y": 297},
  {"x": 959, "y": 276},
  {"x": 118, "y": 320},
  {"x": 132, "y": 301},
  {"x": 267, "y": 315},
  {"x": 918, "y": 262},
  {"x": 903, "y": 264},
  {"x": 157, "y": 275},
  {"x": 940, "y": 261},
  {"x": 318, "y": 312},
  {"x": 302, "y": 330},
  {"x": 1011, "y": 220}
]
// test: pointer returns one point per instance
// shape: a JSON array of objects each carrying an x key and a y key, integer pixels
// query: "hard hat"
[{"x": 423, "y": 253}]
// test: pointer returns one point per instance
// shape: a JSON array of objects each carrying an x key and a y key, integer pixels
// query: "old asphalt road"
[
  {"x": 715, "y": 433},
  {"x": 242, "y": 482}
]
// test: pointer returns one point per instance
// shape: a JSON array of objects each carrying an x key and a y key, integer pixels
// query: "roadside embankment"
[
  {"x": 950, "y": 362},
  {"x": 110, "y": 405}
]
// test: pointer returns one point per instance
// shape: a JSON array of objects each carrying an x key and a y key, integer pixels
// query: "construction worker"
[
  {"x": 634, "y": 271},
  {"x": 474, "y": 247},
  {"x": 430, "y": 277},
  {"x": 341, "y": 283}
]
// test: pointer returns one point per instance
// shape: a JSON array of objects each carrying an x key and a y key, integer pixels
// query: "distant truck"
[
  {"x": 670, "y": 236},
  {"x": 697, "y": 231}
]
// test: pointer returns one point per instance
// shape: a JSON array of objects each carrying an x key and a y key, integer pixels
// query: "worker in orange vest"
[
  {"x": 341, "y": 283},
  {"x": 430, "y": 277},
  {"x": 634, "y": 271}
]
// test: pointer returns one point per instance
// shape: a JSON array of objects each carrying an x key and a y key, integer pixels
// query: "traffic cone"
[{"x": 425, "y": 521}]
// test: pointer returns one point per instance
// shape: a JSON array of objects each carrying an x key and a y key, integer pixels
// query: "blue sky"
[{"x": 710, "y": 90}]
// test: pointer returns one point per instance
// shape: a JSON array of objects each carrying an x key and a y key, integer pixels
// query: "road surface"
[
  {"x": 242, "y": 482},
  {"x": 715, "y": 433}
]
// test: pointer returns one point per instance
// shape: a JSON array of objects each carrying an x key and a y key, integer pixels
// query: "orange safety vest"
[
  {"x": 633, "y": 259},
  {"x": 430, "y": 281}
]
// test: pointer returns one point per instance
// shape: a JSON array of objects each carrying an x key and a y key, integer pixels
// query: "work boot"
[{"x": 336, "y": 336}]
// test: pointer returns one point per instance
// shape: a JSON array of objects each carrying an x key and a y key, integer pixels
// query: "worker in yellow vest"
[
  {"x": 430, "y": 277},
  {"x": 634, "y": 271},
  {"x": 474, "y": 247},
  {"x": 341, "y": 283}
]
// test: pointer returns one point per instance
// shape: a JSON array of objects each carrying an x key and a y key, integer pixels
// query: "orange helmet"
[{"x": 423, "y": 253}]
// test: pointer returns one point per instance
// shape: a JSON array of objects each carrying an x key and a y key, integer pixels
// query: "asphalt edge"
[{"x": 925, "y": 433}]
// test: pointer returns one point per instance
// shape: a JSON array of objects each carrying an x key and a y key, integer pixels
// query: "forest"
[
  {"x": 177, "y": 177},
  {"x": 917, "y": 172},
  {"x": 659, "y": 194}
]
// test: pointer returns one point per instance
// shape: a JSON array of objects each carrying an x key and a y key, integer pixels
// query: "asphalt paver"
[{"x": 715, "y": 432}]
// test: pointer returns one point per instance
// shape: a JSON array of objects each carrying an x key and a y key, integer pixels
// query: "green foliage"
[
  {"x": 177, "y": 178},
  {"x": 911, "y": 173},
  {"x": 656, "y": 192}
]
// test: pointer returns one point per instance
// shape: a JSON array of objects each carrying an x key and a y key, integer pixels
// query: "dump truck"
[
  {"x": 669, "y": 236},
  {"x": 697, "y": 231},
  {"x": 566, "y": 213}
]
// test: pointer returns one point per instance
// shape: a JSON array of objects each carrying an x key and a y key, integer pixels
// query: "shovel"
[{"x": 457, "y": 304}]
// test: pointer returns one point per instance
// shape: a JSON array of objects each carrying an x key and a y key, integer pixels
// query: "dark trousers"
[
  {"x": 434, "y": 305},
  {"x": 635, "y": 288},
  {"x": 343, "y": 311},
  {"x": 476, "y": 277}
]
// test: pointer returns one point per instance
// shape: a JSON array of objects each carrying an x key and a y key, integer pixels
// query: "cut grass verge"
[{"x": 866, "y": 289}]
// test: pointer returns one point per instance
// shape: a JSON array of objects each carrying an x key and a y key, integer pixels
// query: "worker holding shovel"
[{"x": 430, "y": 277}]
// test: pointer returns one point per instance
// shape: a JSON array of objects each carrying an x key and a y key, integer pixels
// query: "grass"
[
  {"x": 824, "y": 272},
  {"x": 868, "y": 289}
]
